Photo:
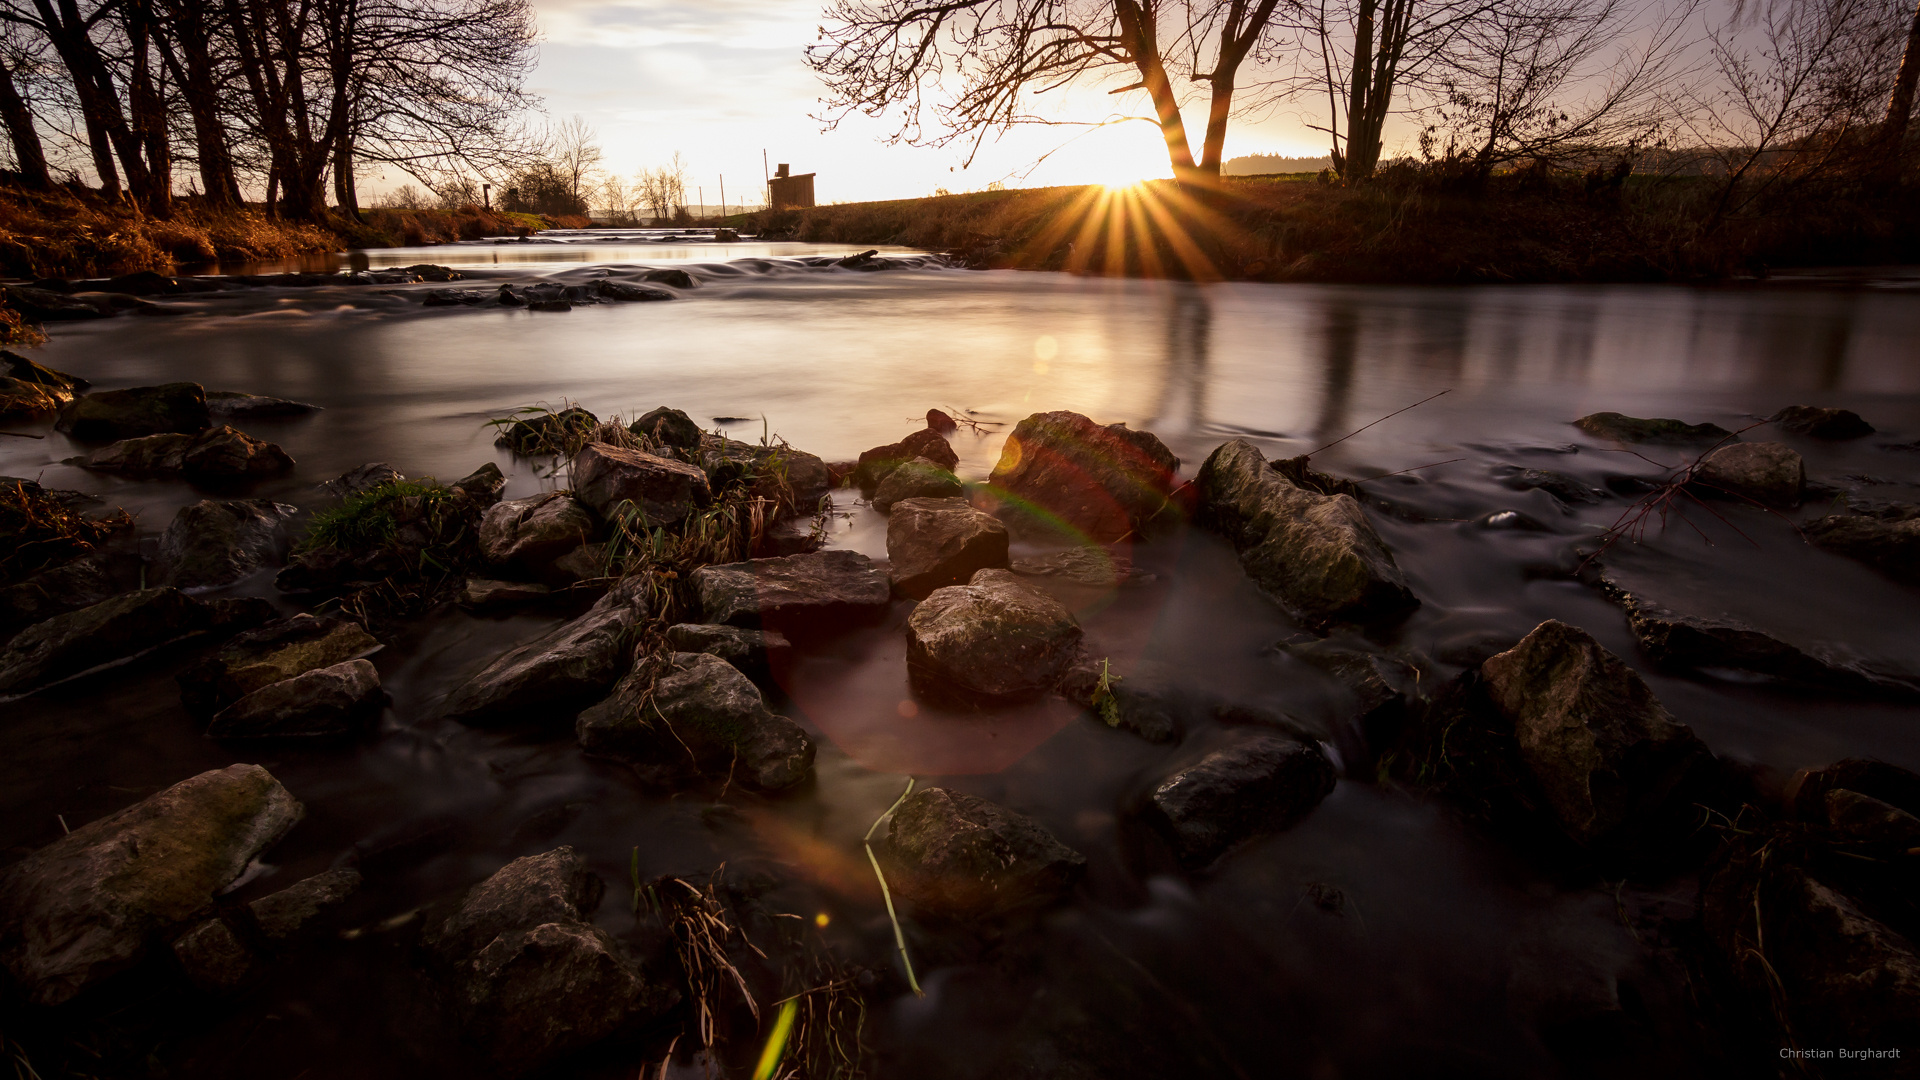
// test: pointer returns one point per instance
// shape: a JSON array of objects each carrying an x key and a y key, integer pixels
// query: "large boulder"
[
  {"x": 265, "y": 655},
  {"x": 1263, "y": 784},
  {"x": 92, "y": 903},
  {"x": 665, "y": 491},
  {"x": 107, "y": 415},
  {"x": 1318, "y": 555},
  {"x": 995, "y": 638},
  {"x": 1104, "y": 482},
  {"x": 757, "y": 653},
  {"x": 917, "y": 479},
  {"x": 962, "y": 857},
  {"x": 218, "y": 542},
  {"x": 1889, "y": 545},
  {"x": 669, "y": 427},
  {"x": 531, "y": 533},
  {"x": 877, "y": 464},
  {"x": 794, "y": 480},
  {"x": 556, "y": 673},
  {"x": 111, "y": 630},
  {"x": 701, "y": 715},
  {"x": 794, "y": 593},
  {"x": 1822, "y": 423},
  {"x": 1634, "y": 429},
  {"x": 1608, "y": 757},
  {"x": 1766, "y": 472},
  {"x": 324, "y": 703},
  {"x": 933, "y": 543}
]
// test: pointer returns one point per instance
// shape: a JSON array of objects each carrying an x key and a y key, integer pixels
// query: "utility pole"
[
  {"x": 766, "y": 178},
  {"x": 703, "y": 200},
  {"x": 723, "y": 196}
]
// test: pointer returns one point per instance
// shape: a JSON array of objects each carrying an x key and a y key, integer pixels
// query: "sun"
[{"x": 1118, "y": 158}]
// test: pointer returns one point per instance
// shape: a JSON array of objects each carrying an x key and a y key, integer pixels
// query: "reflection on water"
[{"x": 1406, "y": 974}]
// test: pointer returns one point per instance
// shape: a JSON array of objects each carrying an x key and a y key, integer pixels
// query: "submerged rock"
[
  {"x": 1559, "y": 485},
  {"x": 1633, "y": 429},
  {"x": 700, "y": 715},
  {"x": 92, "y": 903},
  {"x": 1765, "y": 472},
  {"x": 531, "y": 533},
  {"x": 1889, "y": 546},
  {"x": 794, "y": 593},
  {"x": 668, "y": 427},
  {"x": 101, "y": 633},
  {"x": 877, "y": 464},
  {"x": 996, "y": 638},
  {"x": 1067, "y": 471},
  {"x": 141, "y": 410},
  {"x": 1822, "y": 423},
  {"x": 529, "y": 978},
  {"x": 263, "y": 656},
  {"x": 556, "y": 673},
  {"x": 962, "y": 857},
  {"x": 916, "y": 479},
  {"x": 936, "y": 542},
  {"x": 220, "y": 453},
  {"x": 1263, "y": 784},
  {"x": 628, "y": 292},
  {"x": 323, "y": 703},
  {"x": 1095, "y": 567},
  {"x": 486, "y": 594},
  {"x": 239, "y": 406},
  {"x": 1318, "y": 555},
  {"x": 218, "y": 542},
  {"x": 757, "y": 653},
  {"x": 662, "y": 490},
  {"x": 1608, "y": 757}
]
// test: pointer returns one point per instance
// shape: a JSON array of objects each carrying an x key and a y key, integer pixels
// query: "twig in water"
[
  {"x": 1382, "y": 420},
  {"x": 1416, "y": 468},
  {"x": 899, "y": 935},
  {"x": 1667, "y": 498}
]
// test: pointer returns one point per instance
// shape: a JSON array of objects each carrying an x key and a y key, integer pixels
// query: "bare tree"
[
  {"x": 882, "y": 56},
  {"x": 1900, "y": 101},
  {"x": 664, "y": 190},
  {"x": 29, "y": 156},
  {"x": 574, "y": 151}
]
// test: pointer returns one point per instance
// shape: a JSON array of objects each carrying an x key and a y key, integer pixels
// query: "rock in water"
[
  {"x": 916, "y": 479},
  {"x": 282, "y": 914},
  {"x": 1822, "y": 423},
  {"x": 793, "y": 479},
  {"x": 61, "y": 386},
  {"x": 878, "y": 463},
  {"x": 239, "y": 406},
  {"x": 486, "y": 594},
  {"x": 214, "y": 543},
  {"x": 53, "y": 592},
  {"x": 141, "y": 410},
  {"x": 556, "y": 673},
  {"x": 214, "y": 958},
  {"x": 1104, "y": 482},
  {"x": 20, "y": 400},
  {"x": 217, "y": 454},
  {"x": 664, "y": 491},
  {"x": 1318, "y": 555},
  {"x": 1262, "y": 785},
  {"x": 702, "y": 715},
  {"x": 323, "y": 703},
  {"x": 1607, "y": 755},
  {"x": 364, "y": 478},
  {"x": 531, "y": 533},
  {"x": 91, "y": 904},
  {"x": 932, "y": 543},
  {"x": 110, "y": 630},
  {"x": 669, "y": 427},
  {"x": 1767, "y": 473},
  {"x": 757, "y": 653},
  {"x": 263, "y": 656},
  {"x": 1633, "y": 429},
  {"x": 795, "y": 593},
  {"x": 530, "y": 978},
  {"x": 1892, "y": 547},
  {"x": 966, "y": 858},
  {"x": 996, "y": 638},
  {"x": 482, "y": 486}
]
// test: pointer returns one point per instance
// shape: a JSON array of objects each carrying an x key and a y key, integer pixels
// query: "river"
[{"x": 1379, "y": 937}]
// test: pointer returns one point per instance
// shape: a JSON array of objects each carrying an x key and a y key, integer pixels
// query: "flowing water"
[{"x": 1379, "y": 937}]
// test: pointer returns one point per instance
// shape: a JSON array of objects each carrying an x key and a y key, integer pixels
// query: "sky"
[{"x": 723, "y": 80}]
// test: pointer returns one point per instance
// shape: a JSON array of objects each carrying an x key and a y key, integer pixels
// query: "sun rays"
[{"x": 1152, "y": 229}]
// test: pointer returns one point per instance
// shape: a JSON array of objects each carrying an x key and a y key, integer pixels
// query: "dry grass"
[{"x": 38, "y": 531}]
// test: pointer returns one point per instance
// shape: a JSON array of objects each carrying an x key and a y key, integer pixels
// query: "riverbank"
[
  {"x": 69, "y": 234},
  {"x": 1402, "y": 230}
]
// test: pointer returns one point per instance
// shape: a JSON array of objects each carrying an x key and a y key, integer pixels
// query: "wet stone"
[
  {"x": 141, "y": 410},
  {"x": 218, "y": 542},
  {"x": 794, "y": 593},
  {"x": 668, "y": 427},
  {"x": 327, "y": 702},
  {"x": 962, "y": 857},
  {"x": 877, "y": 464},
  {"x": 531, "y": 533},
  {"x": 936, "y": 542},
  {"x": 213, "y": 957},
  {"x": 1634, "y": 429},
  {"x": 110, "y": 630},
  {"x": 662, "y": 490},
  {"x": 237, "y": 406},
  {"x": 363, "y": 478},
  {"x": 91, "y": 904},
  {"x": 1822, "y": 423},
  {"x": 1889, "y": 546},
  {"x": 1263, "y": 784},
  {"x": 268, "y": 654},
  {"x": 1768, "y": 473},
  {"x": 1565, "y": 488},
  {"x": 69, "y": 587},
  {"x": 1100, "y": 482},
  {"x": 282, "y": 914},
  {"x": 703, "y": 716},
  {"x": 757, "y": 653},
  {"x": 995, "y": 638},
  {"x": 916, "y": 479},
  {"x": 794, "y": 480},
  {"x": 555, "y": 674},
  {"x": 1094, "y": 567},
  {"x": 486, "y": 594}
]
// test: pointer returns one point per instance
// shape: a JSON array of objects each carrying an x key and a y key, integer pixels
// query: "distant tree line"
[
  {"x": 293, "y": 97},
  {"x": 1762, "y": 86}
]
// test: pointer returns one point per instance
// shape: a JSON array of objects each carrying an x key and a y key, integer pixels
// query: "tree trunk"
[
  {"x": 149, "y": 112},
  {"x": 29, "y": 158},
  {"x": 76, "y": 52},
  {"x": 344, "y": 195},
  {"x": 1355, "y": 165},
  {"x": 1138, "y": 37},
  {"x": 185, "y": 52},
  {"x": 1900, "y": 104}
]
